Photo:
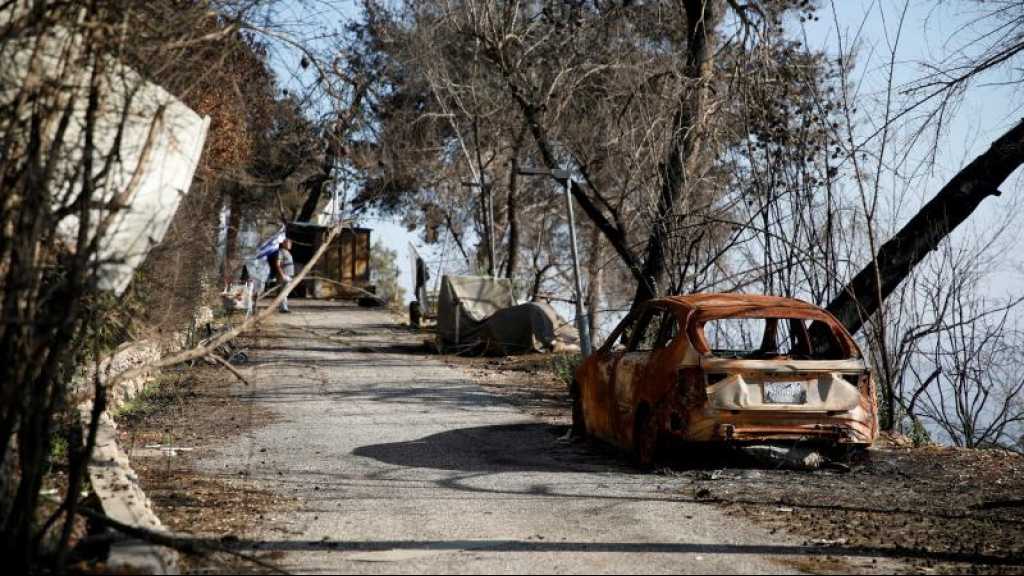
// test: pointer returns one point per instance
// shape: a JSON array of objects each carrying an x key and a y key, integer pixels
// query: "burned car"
[{"x": 734, "y": 368}]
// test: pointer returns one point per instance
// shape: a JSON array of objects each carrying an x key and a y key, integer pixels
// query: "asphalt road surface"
[{"x": 400, "y": 463}]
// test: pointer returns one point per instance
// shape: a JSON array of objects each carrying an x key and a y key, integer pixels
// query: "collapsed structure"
[{"x": 478, "y": 314}]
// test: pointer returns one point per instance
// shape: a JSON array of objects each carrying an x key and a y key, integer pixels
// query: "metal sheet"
[{"x": 155, "y": 142}]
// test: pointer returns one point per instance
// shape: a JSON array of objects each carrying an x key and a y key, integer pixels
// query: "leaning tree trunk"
[
  {"x": 615, "y": 235},
  {"x": 957, "y": 200}
]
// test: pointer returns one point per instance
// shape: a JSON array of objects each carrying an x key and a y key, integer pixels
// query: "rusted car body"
[{"x": 661, "y": 376}]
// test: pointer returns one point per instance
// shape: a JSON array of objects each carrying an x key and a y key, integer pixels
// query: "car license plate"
[{"x": 785, "y": 393}]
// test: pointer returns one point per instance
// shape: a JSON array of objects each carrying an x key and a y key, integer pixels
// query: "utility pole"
[
  {"x": 485, "y": 189},
  {"x": 565, "y": 178}
]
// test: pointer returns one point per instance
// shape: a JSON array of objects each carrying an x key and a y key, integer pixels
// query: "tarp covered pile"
[{"x": 479, "y": 314}]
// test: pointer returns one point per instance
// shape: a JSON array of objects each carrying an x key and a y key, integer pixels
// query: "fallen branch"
[
  {"x": 230, "y": 368},
  {"x": 206, "y": 350},
  {"x": 352, "y": 287}
]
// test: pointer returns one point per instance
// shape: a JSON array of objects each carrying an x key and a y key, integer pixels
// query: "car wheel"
[
  {"x": 645, "y": 438},
  {"x": 579, "y": 423}
]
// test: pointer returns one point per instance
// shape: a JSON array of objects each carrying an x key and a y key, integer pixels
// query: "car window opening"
[
  {"x": 772, "y": 338},
  {"x": 654, "y": 329}
]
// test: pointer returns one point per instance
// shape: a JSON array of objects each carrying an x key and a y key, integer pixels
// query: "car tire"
[
  {"x": 579, "y": 422},
  {"x": 645, "y": 438}
]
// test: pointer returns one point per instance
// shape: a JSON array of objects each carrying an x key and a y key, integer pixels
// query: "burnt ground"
[
  {"x": 183, "y": 416},
  {"x": 941, "y": 509},
  {"x": 938, "y": 509}
]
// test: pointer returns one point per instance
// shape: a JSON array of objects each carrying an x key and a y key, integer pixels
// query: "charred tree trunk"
[
  {"x": 957, "y": 200},
  {"x": 315, "y": 189},
  {"x": 595, "y": 280},
  {"x": 513, "y": 220},
  {"x": 538, "y": 279},
  {"x": 512, "y": 205},
  {"x": 687, "y": 135},
  {"x": 231, "y": 236}
]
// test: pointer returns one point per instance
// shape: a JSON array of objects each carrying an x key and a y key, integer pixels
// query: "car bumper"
[{"x": 853, "y": 427}]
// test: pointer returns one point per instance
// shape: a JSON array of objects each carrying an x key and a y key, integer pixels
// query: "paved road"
[{"x": 400, "y": 463}]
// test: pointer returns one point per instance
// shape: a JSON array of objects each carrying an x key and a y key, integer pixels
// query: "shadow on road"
[
  {"x": 428, "y": 546},
  {"x": 527, "y": 446},
  {"x": 499, "y": 448},
  {"x": 536, "y": 447}
]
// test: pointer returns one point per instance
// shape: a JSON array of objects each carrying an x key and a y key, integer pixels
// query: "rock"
[{"x": 712, "y": 475}]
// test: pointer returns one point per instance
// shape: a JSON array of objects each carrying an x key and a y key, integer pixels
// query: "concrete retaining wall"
[{"x": 113, "y": 480}]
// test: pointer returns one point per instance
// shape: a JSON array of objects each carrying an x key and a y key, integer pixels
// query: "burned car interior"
[
  {"x": 733, "y": 336},
  {"x": 781, "y": 338}
]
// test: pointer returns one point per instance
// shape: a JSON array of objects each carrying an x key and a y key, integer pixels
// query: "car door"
[
  {"x": 595, "y": 382},
  {"x": 639, "y": 377}
]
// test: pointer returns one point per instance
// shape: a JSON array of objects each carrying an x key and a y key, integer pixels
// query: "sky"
[{"x": 930, "y": 30}]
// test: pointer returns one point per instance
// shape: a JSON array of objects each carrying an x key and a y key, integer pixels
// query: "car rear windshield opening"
[{"x": 767, "y": 338}]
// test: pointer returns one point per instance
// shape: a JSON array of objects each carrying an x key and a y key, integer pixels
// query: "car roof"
[
  {"x": 703, "y": 307},
  {"x": 725, "y": 305}
]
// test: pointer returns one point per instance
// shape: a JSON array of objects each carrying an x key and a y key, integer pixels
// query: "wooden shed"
[{"x": 344, "y": 269}]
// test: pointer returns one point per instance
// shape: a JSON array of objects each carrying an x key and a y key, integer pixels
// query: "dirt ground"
[
  {"x": 938, "y": 509},
  {"x": 530, "y": 382},
  {"x": 183, "y": 415}
]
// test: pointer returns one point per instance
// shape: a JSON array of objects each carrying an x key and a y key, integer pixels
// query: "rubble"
[{"x": 797, "y": 457}]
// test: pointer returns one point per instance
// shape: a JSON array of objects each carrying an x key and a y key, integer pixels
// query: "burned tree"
[{"x": 949, "y": 208}]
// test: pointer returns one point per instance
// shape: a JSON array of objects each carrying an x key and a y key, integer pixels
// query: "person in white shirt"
[{"x": 282, "y": 265}]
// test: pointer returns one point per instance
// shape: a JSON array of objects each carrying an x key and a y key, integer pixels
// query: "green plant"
[
  {"x": 563, "y": 366},
  {"x": 384, "y": 271},
  {"x": 58, "y": 448},
  {"x": 919, "y": 434},
  {"x": 139, "y": 406},
  {"x": 112, "y": 320}
]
